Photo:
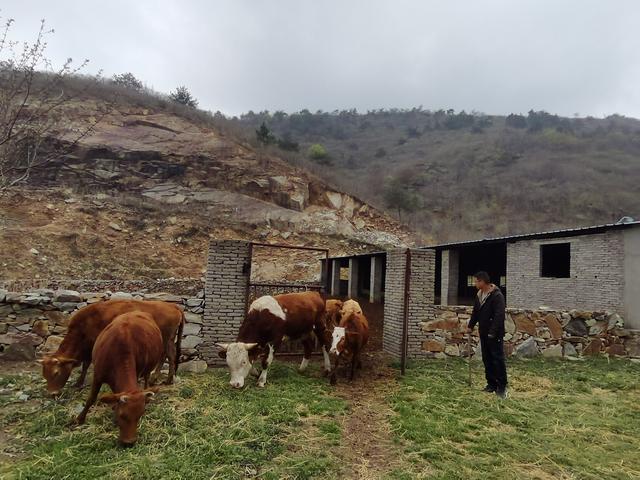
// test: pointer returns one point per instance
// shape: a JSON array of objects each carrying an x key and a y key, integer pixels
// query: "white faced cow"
[{"x": 271, "y": 320}]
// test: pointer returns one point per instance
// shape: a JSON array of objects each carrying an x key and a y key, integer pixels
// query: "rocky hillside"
[
  {"x": 458, "y": 176},
  {"x": 141, "y": 196}
]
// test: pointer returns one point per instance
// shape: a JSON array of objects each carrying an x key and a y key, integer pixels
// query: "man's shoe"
[
  {"x": 489, "y": 389},
  {"x": 502, "y": 393}
]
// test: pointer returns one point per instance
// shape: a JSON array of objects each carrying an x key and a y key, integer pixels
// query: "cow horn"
[
  {"x": 223, "y": 346},
  {"x": 249, "y": 346},
  {"x": 149, "y": 394},
  {"x": 124, "y": 399}
]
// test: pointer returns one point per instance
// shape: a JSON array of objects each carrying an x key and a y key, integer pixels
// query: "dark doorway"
[{"x": 491, "y": 258}]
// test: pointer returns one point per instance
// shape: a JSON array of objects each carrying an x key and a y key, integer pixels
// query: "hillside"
[
  {"x": 470, "y": 175},
  {"x": 142, "y": 194}
]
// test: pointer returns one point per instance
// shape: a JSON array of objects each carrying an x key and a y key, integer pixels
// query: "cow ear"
[
  {"x": 250, "y": 346},
  {"x": 109, "y": 398}
]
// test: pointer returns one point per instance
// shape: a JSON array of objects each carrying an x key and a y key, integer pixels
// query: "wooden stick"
[{"x": 469, "y": 355}]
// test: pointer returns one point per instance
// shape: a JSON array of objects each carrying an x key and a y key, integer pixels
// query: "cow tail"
[{"x": 179, "y": 338}]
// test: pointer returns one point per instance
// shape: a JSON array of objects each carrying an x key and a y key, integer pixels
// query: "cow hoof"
[
  {"x": 261, "y": 385},
  {"x": 333, "y": 381},
  {"x": 325, "y": 373}
]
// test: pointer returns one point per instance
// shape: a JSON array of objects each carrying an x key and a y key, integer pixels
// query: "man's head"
[
  {"x": 128, "y": 408},
  {"x": 56, "y": 370},
  {"x": 240, "y": 357},
  {"x": 482, "y": 280}
]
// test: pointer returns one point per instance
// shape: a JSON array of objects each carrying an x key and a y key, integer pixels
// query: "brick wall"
[
  {"x": 421, "y": 299},
  {"x": 597, "y": 274},
  {"x": 225, "y": 294}
]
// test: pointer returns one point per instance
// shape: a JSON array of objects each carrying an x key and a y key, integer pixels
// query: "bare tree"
[{"x": 33, "y": 98}]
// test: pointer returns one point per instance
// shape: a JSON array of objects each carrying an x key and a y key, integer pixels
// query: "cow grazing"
[
  {"x": 86, "y": 324},
  {"x": 131, "y": 346},
  {"x": 349, "y": 338},
  {"x": 269, "y": 321}
]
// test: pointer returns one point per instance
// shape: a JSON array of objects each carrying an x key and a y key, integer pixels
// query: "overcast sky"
[{"x": 494, "y": 56}]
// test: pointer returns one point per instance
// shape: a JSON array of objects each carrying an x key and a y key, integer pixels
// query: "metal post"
[{"x": 405, "y": 315}]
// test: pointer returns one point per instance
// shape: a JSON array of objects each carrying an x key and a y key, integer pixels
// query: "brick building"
[{"x": 591, "y": 268}]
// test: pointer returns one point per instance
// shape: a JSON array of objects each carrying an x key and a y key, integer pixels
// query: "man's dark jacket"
[{"x": 489, "y": 314}]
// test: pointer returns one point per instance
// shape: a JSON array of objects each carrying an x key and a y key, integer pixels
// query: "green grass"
[
  {"x": 567, "y": 420},
  {"x": 198, "y": 429},
  {"x": 563, "y": 420}
]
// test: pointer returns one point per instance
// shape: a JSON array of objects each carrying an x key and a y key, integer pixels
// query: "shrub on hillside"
[
  {"x": 127, "y": 80},
  {"x": 183, "y": 96},
  {"x": 318, "y": 152}
]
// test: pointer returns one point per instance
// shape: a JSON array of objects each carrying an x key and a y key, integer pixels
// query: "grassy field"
[{"x": 564, "y": 420}]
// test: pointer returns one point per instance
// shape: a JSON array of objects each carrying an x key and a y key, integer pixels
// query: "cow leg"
[
  {"x": 262, "y": 379},
  {"x": 83, "y": 374},
  {"x": 307, "y": 343},
  {"x": 327, "y": 360},
  {"x": 93, "y": 395},
  {"x": 171, "y": 358},
  {"x": 354, "y": 361},
  {"x": 325, "y": 341}
]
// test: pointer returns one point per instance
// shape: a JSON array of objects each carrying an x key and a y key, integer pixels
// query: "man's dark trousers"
[{"x": 495, "y": 368}]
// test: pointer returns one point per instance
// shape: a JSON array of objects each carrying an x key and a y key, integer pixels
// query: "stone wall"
[
  {"x": 36, "y": 321},
  {"x": 596, "y": 281},
  {"x": 550, "y": 333},
  {"x": 226, "y": 287},
  {"x": 178, "y": 286}
]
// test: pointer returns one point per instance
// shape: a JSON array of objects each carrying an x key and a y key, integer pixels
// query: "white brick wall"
[{"x": 597, "y": 274}]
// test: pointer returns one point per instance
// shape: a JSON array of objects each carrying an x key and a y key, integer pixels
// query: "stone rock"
[
  {"x": 193, "y": 318},
  {"x": 449, "y": 325},
  {"x": 593, "y": 348},
  {"x": 34, "y": 251},
  {"x": 40, "y": 327},
  {"x": 191, "y": 341},
  {"x": 11, "y": 338},
  {"x": 164, "y": 297},
  {"x": 51, "y": 344},
  {"x": 552, "y": 351},
  {"x": 569, "y": 350},
  {"x": 509, "y": 325},
  {"x": 115, "y": 226},
  {"x": 507, "y": 337},
  {"x": 67, "y": 296},
  {"x": 3, "y": 328},
  {"x": 433, "y": 346},
  {"x": 19, "y": 352},
  {"x": 554, "y": 325},
  {"x": 579, "y": 314},
  {"x": 56, "y": 317},
  {"x": 193, "y": 366},
  {"x": 176, "y": 199},
  {"x": 66, "y": 306},
  {"x": 614, "y": 321},
  {"x": 564, "y": 319},
  {"x": 524, "y": 324},
  {"x": 59, "y": 330},
  {"x": 527, "y": 349},
  {"x": 23, "y": 328},
  {"x": 197, "y": 310},
  {"x": 616, "y": 350},
  {"x": 3, "y": 295},
  {"x": 194, "y": 302},
  {"x": 576, "y": 327},
  {"x": 35, "y": 300},
  {"x": 439, "y": 355},
  {"x": 597, "y": 328},
  {"x": 452, "y": 350},
  {"x": 191, "y": 329},
  {"x": 121, "y": 296},
  {"x": 477, "y": 353}
]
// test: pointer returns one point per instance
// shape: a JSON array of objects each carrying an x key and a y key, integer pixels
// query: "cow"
[
  {"x": 349, "y": 337},
  {"x": 86, "y": 324},
  {"x": 269, "y": 321},
  {"x": 333, "y": 309},
  {"x": 131, "y": 346}
]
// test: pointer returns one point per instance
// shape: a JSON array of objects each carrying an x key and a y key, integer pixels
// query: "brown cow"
[
  {"x": 271, "y": 320},
  {"x": 333, "y": 309},
  {"x": 131, "y": 346},
  {"x": 350, "y": 337},
  {"x": 87, "y": 323}
]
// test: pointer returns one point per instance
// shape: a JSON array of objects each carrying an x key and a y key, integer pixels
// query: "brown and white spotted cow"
[
  {"x": 269, "y": 321},
  {"x": 349, "y": 337}
]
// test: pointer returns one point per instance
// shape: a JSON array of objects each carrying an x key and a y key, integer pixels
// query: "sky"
[{"x": 493, "y": 56}]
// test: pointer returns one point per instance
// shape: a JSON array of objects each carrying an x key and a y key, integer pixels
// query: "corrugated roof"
[{"x": 568, "y": 232}]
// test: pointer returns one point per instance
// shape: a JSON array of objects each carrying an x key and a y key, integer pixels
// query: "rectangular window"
[
  {"x": 555, "y": 260},
  {"x": 470, "y": 281}
]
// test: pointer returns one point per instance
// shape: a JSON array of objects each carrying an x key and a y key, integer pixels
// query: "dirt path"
[{"x": 367, "y": 449}]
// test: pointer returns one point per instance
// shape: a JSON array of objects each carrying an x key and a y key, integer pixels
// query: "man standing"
[{"x": 488, "y": 313}]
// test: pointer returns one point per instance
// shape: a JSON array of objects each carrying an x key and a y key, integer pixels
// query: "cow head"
[
  {"x": 333, "y": 313},
  {"x": 56, "y": 370},
  {"x": 240, "y": 357},
  {"x": 338, "y": 341},
  {"x": 128, "y": 407}
]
